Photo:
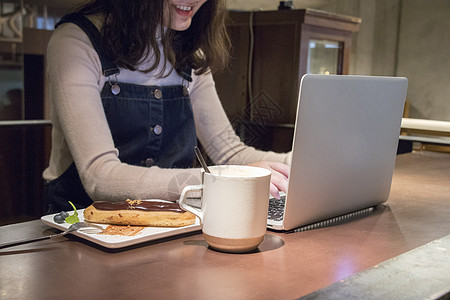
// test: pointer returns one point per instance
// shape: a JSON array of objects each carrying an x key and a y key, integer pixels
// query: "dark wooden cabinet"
[
  {"x": 24, "y": 154},
  {"x": 272, "y": 50}
]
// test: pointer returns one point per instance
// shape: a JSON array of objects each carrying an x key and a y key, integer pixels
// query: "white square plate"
[{"x": 119, "y": 241}]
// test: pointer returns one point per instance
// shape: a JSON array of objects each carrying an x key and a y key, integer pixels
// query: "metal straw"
[{"x": 201, "y": 160}]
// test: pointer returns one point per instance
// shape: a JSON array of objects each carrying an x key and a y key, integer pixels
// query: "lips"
[{"x": 183, "y": 10}]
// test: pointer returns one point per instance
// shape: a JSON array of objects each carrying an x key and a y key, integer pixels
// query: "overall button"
[
  {"x": 149, "y": 162},
  {"x": 115, "y": 89},
  {"x": 157, "y": 129},
  {"x": 157, "y": 93},
  {"x": 185, "y": 90}
]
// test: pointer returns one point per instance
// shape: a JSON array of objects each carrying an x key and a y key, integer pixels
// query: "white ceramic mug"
[{"x": 235, "y": 201}]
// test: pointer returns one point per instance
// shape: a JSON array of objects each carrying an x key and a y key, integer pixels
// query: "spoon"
[
  {"x": 201, "y": 160},
  {"x": 72, "y": 228}
]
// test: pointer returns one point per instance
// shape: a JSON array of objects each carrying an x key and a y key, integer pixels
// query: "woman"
[{"x": 132, "y": 93}]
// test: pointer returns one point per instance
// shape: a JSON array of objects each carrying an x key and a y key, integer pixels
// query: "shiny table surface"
[{"x": 287, "y": 266}]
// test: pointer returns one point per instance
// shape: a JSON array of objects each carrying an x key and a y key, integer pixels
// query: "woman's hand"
[{"x": 279, "y": 178}]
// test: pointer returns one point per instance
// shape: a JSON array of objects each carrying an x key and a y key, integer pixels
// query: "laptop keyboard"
[{"x": 276, "y": 208}]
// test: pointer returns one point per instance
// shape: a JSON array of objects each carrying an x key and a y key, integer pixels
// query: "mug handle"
[{"x": 185, "y": 206}]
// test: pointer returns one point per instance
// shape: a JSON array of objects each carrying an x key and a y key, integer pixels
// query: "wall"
[
  {"x": 272, "y": 4},
  {"x": 424, "y": 56},
  {"x": 397, "y": 37}
]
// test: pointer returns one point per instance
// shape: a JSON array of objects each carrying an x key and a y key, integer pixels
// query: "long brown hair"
[{"x": 130, "y": 30}]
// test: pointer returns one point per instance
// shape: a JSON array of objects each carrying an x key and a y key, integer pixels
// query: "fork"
[{"x": 72, "y": 228}]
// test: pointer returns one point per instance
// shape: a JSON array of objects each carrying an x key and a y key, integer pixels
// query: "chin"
[{"x": 181, "y": 27}]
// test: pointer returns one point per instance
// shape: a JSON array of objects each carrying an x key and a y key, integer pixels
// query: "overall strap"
[
  {"x": 186, "y": 73},
  {"x": 108, "y": 67}
]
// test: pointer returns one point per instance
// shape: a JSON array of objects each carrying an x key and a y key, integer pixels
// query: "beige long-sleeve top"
[{"x": 81, "y": 134}]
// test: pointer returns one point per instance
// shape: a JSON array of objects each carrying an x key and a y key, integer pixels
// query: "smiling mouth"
[{"x": 184, "y": 11}]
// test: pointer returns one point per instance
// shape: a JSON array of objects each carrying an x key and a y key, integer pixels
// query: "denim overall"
[{"x": 150, "y": 125}]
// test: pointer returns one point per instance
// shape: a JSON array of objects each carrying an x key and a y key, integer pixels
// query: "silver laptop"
[{"x": 345, "y": 144}]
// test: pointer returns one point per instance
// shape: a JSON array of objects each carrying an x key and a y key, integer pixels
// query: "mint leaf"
[{"x": 73, "y": 218}]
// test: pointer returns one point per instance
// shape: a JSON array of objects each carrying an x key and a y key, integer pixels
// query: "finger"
[
  {"x": 274, "y": 191},
  {"x": 281, "y": 168},
  {"x": 279, "y": 181}
]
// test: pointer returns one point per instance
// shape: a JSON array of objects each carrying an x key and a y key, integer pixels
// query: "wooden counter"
[{"x": 287, "y": 266}]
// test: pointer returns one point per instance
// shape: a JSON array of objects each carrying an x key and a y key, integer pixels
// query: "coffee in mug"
[{"x": 235, "y": 202}]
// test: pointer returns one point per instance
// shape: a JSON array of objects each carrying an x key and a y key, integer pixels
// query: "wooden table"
[{"x": 287, "y": 266}]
